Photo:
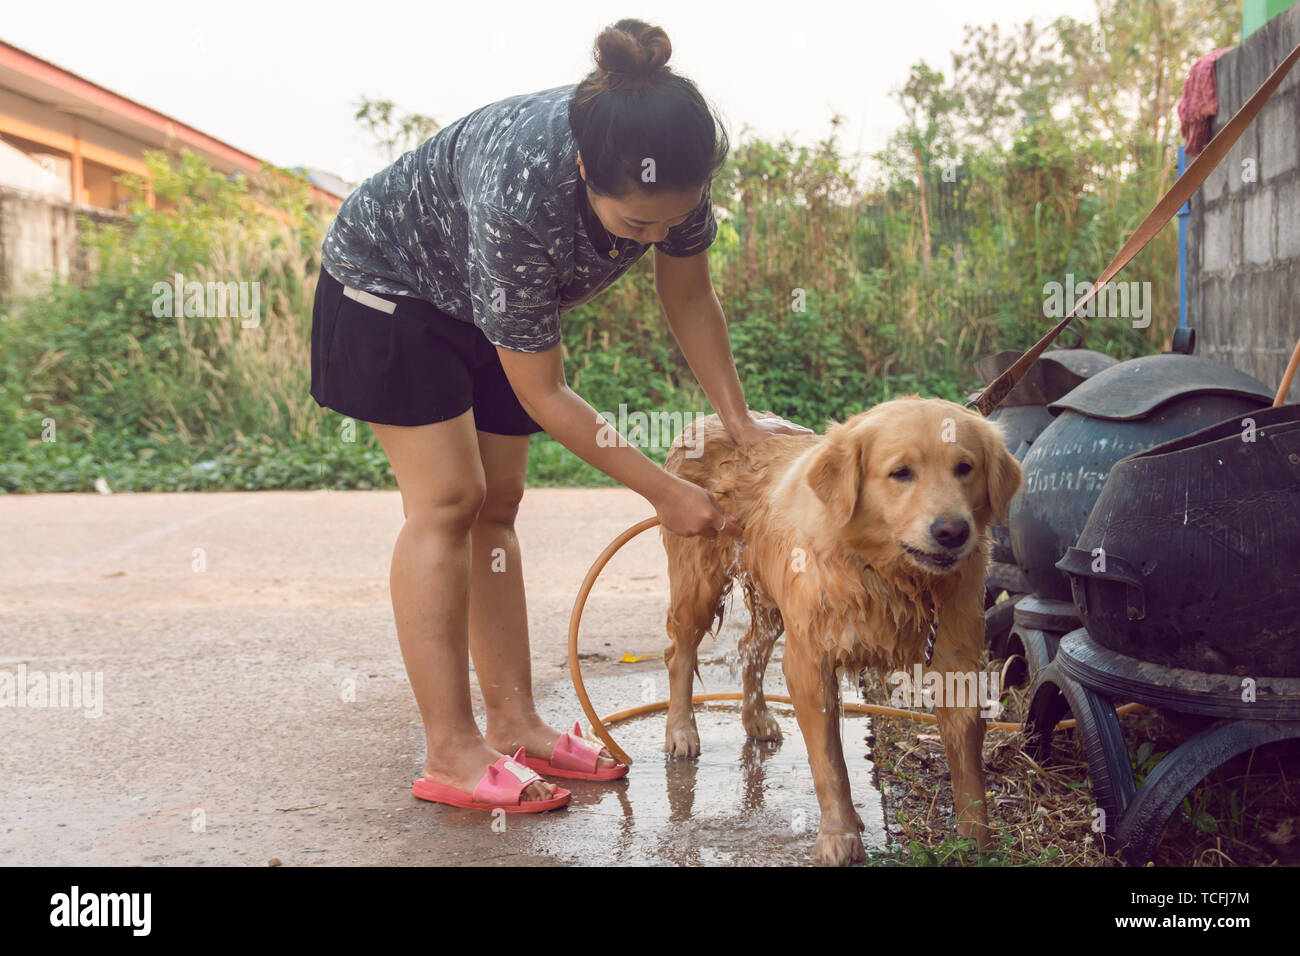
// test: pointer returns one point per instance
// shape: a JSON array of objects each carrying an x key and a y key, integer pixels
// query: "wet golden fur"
[{"x": 829, "y": 521}]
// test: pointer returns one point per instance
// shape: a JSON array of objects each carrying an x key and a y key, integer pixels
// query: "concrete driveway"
[{"x": 242, "y": 697}]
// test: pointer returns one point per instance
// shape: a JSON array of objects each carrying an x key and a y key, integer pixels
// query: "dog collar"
[
  {"x": 934, "y": 632},
  {"x": 929, "y": 650}
]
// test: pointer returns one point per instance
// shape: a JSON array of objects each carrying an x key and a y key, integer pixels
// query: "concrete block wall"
[
  {"x": 38, "y": 240},
  {"x": 1243, "y": 248}
]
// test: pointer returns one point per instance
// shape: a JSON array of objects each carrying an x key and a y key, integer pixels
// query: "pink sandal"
[
  {"x": 501, "y": 787},
  {"x": 575, "y": 758}
]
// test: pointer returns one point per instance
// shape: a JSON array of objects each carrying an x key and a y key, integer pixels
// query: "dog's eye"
[
  {"x": 901, "y": 474},
  {"x": 963, "y": 469}
]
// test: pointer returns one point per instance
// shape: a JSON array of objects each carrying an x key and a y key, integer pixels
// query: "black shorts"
[{"x": 411, "y": 364}]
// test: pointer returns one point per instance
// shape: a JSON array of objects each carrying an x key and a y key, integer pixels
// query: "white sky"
[{"x": 281, "y": 80}]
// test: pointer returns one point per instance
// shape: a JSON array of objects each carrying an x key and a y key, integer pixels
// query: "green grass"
[
  {"x": 957, "y": 851},
  {"x": 249, "y": 465}
]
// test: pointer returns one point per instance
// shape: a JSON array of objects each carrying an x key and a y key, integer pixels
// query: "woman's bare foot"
[
  {"x": 537, "y": 738},
  {"x": 461, "y": 764}
]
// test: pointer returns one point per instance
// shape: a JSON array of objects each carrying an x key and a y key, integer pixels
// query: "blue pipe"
[{"x": 1183, "y": 213}]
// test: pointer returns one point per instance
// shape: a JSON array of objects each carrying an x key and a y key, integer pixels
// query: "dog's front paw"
[
  {"x": 838, "y": 849},
  {"x": 682, "y": 740},
  {"x": 762, "y": 725}
]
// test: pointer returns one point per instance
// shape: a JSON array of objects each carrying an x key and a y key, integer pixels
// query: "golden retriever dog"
[{"x": 852, "y": 540}]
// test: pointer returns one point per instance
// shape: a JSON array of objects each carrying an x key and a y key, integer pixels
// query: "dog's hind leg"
[
  {"x": 755, "y": 649},
  {"x": 698, "y": 583}
]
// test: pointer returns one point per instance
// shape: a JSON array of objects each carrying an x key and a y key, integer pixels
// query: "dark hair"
[{"x": 632, "y": 107}]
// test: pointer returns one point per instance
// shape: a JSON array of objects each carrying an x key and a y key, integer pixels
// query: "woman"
[{"x": 437, "y": 321}]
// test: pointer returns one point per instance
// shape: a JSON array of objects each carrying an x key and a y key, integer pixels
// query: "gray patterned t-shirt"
[{"x": 485, "y": 220}]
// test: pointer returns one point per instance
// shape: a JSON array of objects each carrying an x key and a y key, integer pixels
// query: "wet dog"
[{"x": 856, "y": 542}]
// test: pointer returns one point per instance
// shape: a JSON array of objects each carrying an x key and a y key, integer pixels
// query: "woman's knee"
[
  {"x": 501, "y": 500},
  {"x": 438, "y": 471},
  {"x": 454, "y": 508}
]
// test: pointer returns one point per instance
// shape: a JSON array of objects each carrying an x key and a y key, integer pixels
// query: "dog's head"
[{"x": 916, "y": 480}]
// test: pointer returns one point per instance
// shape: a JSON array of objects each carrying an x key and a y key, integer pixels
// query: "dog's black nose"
[{"x": 950, "y": 532}]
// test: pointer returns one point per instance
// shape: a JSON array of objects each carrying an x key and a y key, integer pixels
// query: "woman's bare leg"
[
  {"x": 441, "y": 479},
  {"x": 498, "y": 612}
]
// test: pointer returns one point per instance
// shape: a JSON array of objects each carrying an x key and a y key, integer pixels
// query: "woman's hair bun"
[
  {"x": 633, "y": 106},
  {"x": 632, "y": 50}
]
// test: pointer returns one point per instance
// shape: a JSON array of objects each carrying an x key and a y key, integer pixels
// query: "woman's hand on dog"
[
  {"x": 756, "y": 429},
  {"x": 688, "y": 510}
]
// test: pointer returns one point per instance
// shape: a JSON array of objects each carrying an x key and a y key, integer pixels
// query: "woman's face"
[{"x": 639, "y": 216}]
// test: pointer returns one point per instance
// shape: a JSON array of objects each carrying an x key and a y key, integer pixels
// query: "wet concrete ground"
[
  {"x": 741, "y": 803},
  {"x": 254, "y": 705}
]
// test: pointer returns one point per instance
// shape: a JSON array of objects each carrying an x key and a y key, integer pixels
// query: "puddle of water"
[{"x": 740, "y": 803}]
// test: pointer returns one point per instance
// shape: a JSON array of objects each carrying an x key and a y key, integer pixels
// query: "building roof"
[{"x": 69, "y": 93}]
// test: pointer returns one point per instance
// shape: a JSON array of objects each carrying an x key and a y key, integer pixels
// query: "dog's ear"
[
  {"x": 1001, "y": 471},
  {"x": 836, "y": 473}
]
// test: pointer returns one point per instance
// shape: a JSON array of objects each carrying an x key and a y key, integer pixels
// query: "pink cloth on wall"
[{"x": 1199, "y": 102}]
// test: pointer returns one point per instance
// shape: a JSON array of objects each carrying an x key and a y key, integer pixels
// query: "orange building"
[{"x": 82, "y": 136}]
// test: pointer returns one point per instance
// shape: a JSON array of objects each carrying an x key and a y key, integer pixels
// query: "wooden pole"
[
  {"x": 78, "y": 173},
  {"x": 1287, "y": 377}
]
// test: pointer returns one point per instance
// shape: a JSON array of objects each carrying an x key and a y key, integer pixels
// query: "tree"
[{"x": 393, "y": 134}]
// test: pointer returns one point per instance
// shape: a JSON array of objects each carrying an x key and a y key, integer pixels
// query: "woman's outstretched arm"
[{"x": 697, "y": 321}]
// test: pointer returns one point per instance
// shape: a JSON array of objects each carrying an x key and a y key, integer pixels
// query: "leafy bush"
[{"x": 1034, "y": 158}]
